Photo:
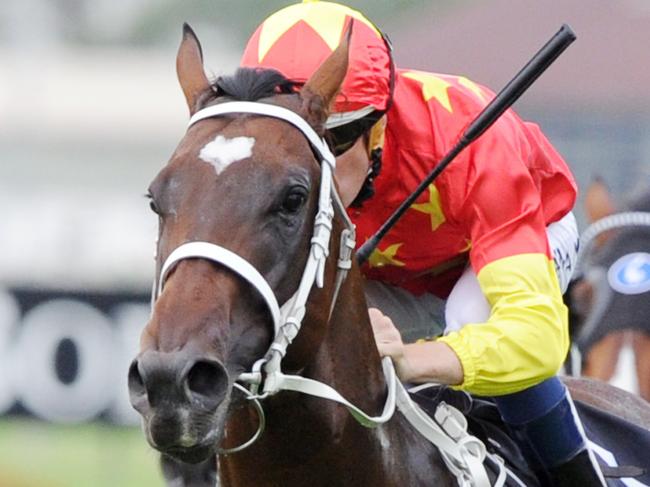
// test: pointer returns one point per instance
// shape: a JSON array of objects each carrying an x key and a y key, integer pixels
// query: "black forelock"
[{"x": 252, "y": 84}]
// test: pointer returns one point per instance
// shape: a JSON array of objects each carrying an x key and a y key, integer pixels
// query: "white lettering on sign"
[
  {"x": 104, "y": 347},
  {"x": 9, "y": 316}
]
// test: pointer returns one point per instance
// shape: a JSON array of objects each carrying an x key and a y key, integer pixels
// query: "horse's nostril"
[
  {"x": 136, "y": 383},
  {"x": 208, "y": 379}
]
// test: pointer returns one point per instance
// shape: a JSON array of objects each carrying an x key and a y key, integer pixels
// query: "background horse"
[
  {"x": 604, "y": 319},
  {"x": 249, "y": 184}
]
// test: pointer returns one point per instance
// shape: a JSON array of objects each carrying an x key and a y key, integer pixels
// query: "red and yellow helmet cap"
[{"x": 298, "y": 38}]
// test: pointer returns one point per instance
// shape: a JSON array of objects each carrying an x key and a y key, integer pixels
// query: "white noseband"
[{"x": 234, "y": 262}]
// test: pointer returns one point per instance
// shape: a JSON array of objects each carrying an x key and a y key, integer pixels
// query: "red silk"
[
  {"x": 497, "y": 197},
  {"x": 300, "y": 51}
]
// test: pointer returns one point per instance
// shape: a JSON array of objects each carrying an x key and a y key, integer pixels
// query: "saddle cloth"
[{"x": 622, "y": 448}]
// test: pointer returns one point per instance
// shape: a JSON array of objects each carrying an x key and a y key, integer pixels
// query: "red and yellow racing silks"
[{"x": 490, "y": 207}]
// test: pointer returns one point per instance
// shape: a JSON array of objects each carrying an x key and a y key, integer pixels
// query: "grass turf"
[{"x": 38, "y": 454}]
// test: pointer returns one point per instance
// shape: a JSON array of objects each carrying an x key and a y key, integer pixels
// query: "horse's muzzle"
[{"x": 179, "y": 397}]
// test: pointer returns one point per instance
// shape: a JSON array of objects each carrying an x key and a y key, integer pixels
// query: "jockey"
[{"x": 481, "y": 258}]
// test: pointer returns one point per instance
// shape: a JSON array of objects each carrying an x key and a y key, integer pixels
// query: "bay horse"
[
  {"x": 209, "y": 325},
  {"x": 241, "y": 224}
]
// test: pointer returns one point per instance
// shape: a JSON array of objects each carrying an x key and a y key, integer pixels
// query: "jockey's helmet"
[{"x": 298, "y": 38}]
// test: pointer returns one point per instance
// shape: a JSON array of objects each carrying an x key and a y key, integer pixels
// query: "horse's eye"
[{"x": 294, "y": 200}]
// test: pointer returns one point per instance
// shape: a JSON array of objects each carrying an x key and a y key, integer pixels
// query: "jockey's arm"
[
  {"x": 523, "y": 342},
  {"x": 413, "y": 362},
  {"x": 525, "y": 339}
]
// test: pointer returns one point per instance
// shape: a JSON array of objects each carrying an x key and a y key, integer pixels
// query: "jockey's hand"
[
  {"x": 429, "y": 361},
  {"x": 389, "y": 342}
]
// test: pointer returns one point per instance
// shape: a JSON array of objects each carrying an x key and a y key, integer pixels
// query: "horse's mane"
[{"x": 252, "y": 84}]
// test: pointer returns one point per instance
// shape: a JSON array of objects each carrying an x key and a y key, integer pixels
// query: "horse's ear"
[
  {"x": 189, "y": 68},
  {"x": 598, "y": 202},
  {"x": 319, "y": 92}
]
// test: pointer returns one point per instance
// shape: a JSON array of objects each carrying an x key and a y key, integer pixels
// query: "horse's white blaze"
[{"x": 222, "y": 152}]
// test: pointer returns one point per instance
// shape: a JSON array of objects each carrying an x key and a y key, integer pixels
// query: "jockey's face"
[{"x": 351, "y": 170}]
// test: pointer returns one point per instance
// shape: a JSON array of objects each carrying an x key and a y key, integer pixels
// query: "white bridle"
[
  {"x": 287, "y": 319},
  {"x": 463, "y": 453}
]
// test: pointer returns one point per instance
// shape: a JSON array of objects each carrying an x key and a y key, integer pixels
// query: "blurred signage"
[{"x": 64, "y": 356}]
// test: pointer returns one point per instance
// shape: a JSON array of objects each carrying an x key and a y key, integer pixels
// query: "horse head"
[{"x": 249, "y": 185}]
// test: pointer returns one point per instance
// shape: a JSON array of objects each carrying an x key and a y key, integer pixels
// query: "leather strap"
[
  {"x": 273, "y": 111},
  {"x": 223, "y": 256}
]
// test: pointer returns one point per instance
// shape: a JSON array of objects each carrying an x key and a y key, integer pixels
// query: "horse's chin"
[
  {"x": 205, "y": 434},
  {"x": 192, "y": 455},
  {"x": 197, "y": 453}
]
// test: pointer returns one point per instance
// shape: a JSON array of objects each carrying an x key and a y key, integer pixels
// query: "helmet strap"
[
  {"x": 375, "y": 144},
  {"x": 376, "y": 135}
]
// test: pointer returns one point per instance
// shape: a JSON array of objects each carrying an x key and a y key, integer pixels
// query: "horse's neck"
[
  {"x": 344, "y": 358},
  {"x": 312, "y": 441},
  {"x": 340, "y": 349},
  {"x": 339, "y": 352},
  {"x": 350, "y": 348}
]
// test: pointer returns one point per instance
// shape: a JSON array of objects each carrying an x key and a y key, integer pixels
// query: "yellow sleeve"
[{"x": 526, "y": 337}]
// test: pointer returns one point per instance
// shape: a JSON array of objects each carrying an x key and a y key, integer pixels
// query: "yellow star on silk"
[
  {"x": 473, "y": 87},
  {"x": 326, "y": 21},
  {"x": 432, "y": 207},
  {"x": 380, "y": 258},
  {"x": 432, "y": 87}
]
